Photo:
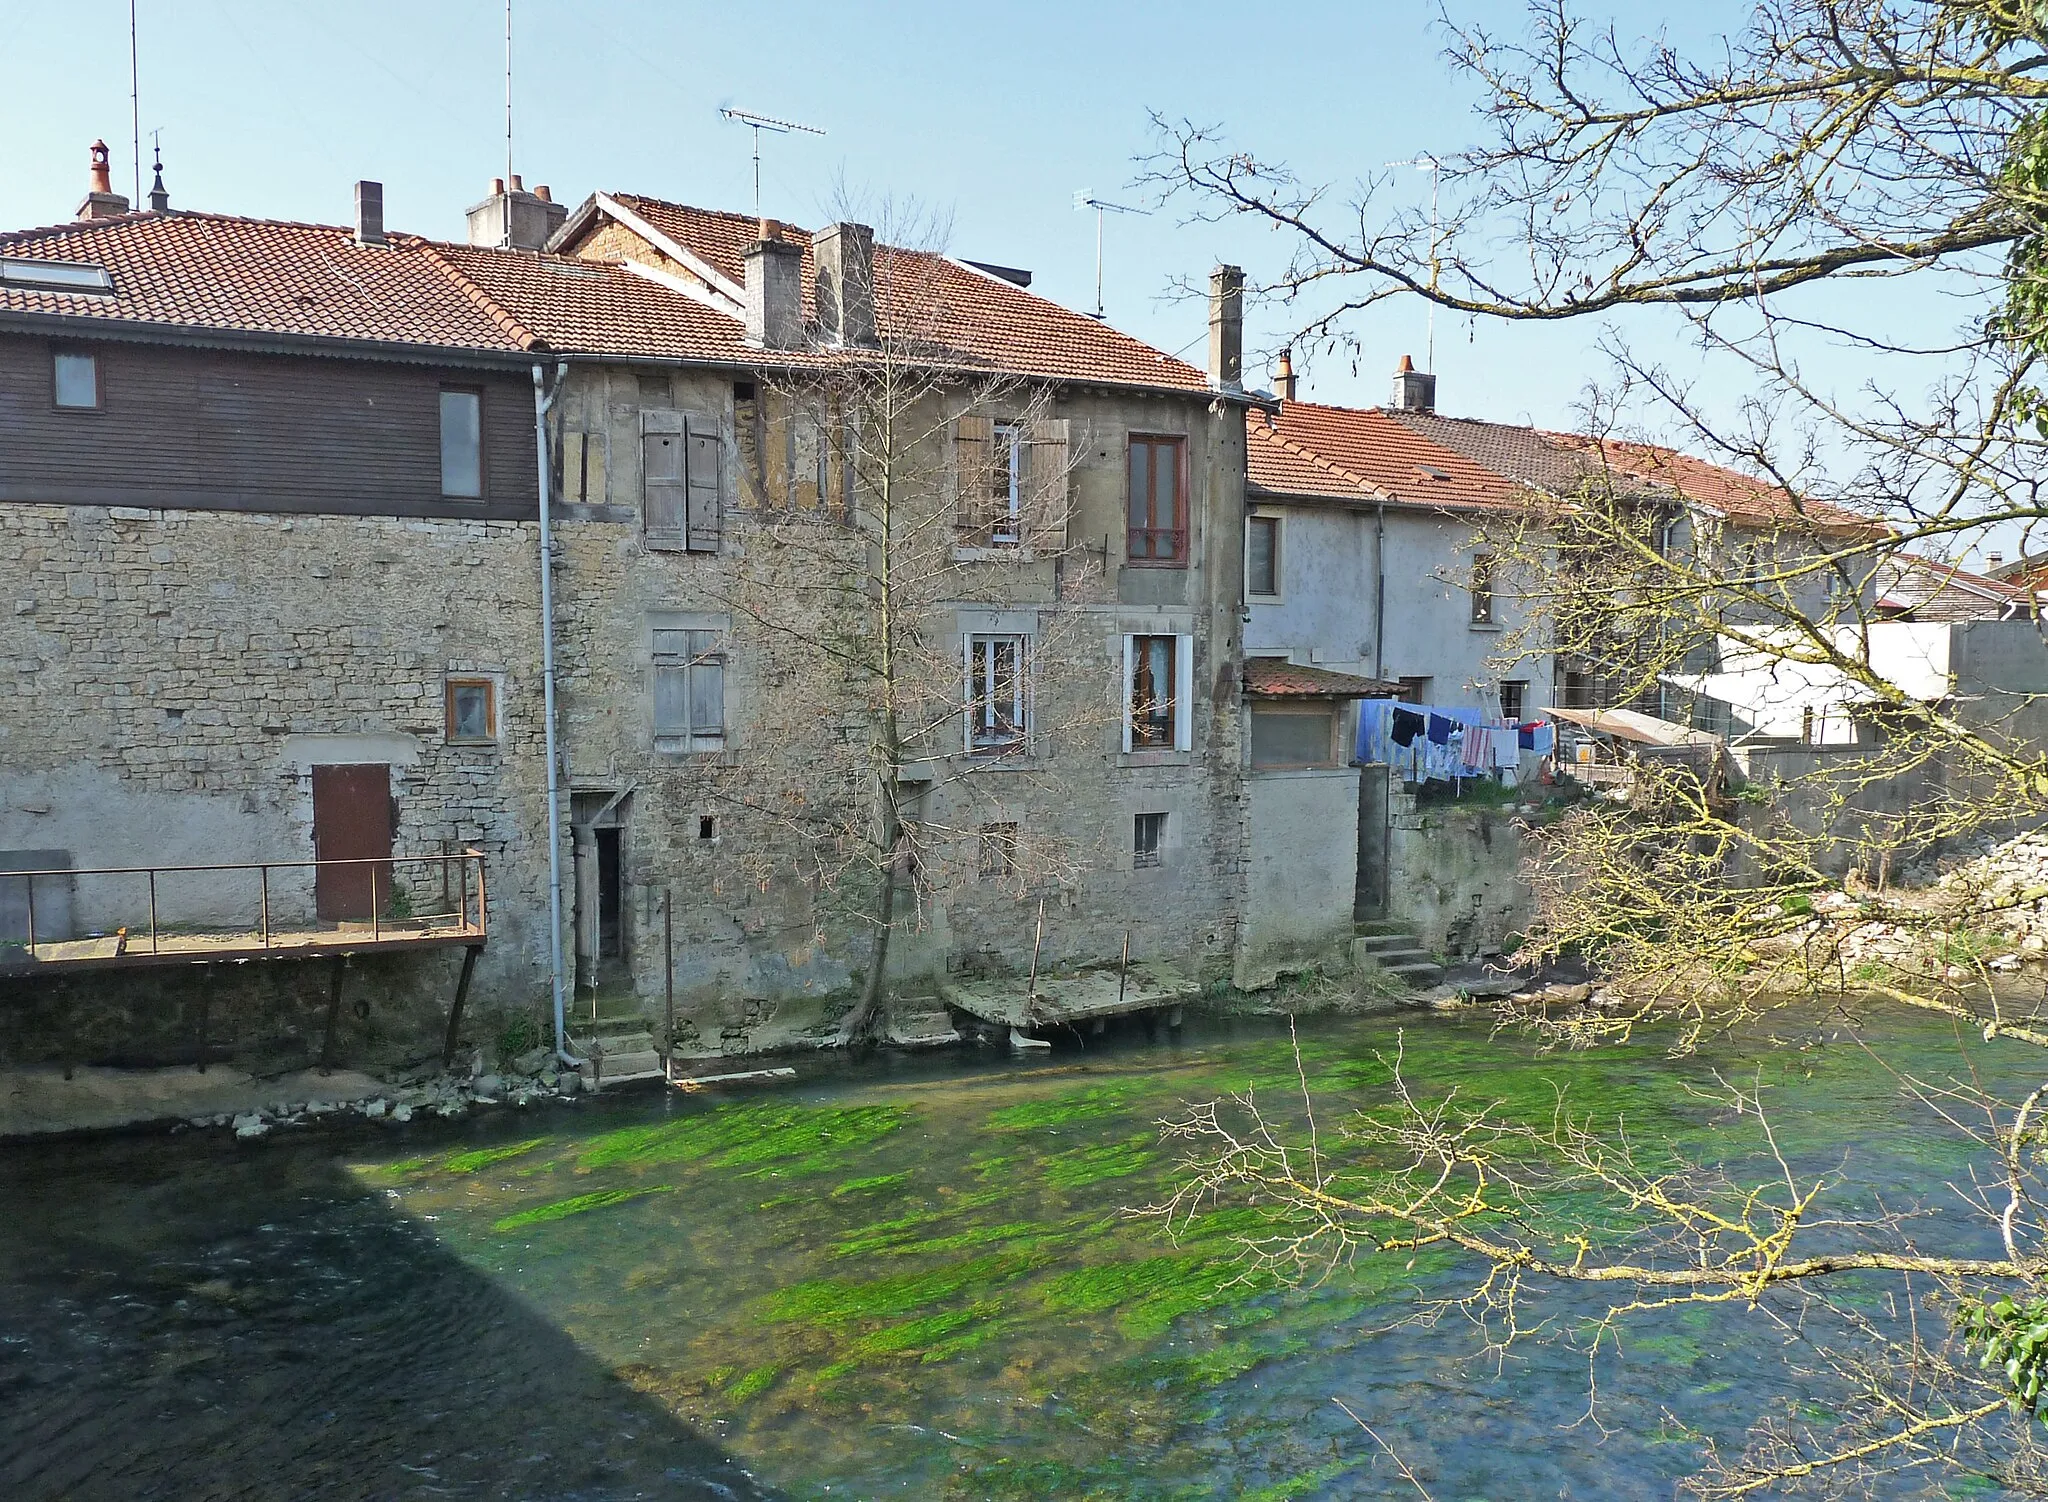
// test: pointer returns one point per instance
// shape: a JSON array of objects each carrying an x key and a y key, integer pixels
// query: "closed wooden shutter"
[
  {"x": 974, "y": 447},
  {"x": 662, "y": 470},
  {"x": 1045, "y": 486},
  {"x": 706, "y": 470}
]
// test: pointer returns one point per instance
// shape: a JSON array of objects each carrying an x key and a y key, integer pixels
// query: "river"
[{"x": 912, "y": 1278}]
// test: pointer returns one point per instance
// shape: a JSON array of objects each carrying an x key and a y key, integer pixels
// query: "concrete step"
[
  {"x": 1416, "y": 972},
  {"x": 1366, "y": 927},
  {"x": 1411, "y": 954},
  {"x": 1380, "y": 943},
  {"x": 617, "y": 1058}
]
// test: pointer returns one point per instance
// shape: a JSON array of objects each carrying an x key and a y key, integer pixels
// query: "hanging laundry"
[
  {"x": 1407, "y": 725},
  {"x": 1440, "y": 727},
  {"x": 1477, "y": 748},
  {"x": 1507, "y": 755}
]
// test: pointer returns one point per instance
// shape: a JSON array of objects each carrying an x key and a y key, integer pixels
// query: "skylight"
[
  {"x": 53, "y": 276},
  {"x": 1430, "y": 471}
]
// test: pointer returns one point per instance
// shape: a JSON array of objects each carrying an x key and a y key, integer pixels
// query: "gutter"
[{"x": 543, "y": 398}]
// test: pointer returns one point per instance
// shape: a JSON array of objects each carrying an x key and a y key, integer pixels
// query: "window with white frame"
[
  {"x": 1006, "y": 485},
  {"x": 1158, "y": 674},
  {"x": 689, "y": 690},
  {"x": 998, "y": 692}
]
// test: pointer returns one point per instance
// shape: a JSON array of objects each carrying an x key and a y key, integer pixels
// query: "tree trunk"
[{"x": 860, "y": 1022}]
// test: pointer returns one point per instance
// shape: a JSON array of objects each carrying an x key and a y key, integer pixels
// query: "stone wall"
[
  {"x": 1455, "y": 875},
  {"x": 1302, "y": 875}
]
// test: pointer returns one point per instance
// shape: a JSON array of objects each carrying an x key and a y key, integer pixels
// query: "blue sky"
[{"x": 992, "y": 115}]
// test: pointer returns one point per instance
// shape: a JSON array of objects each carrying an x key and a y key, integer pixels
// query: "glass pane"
[
  {"x": 1259, "y": 555},
  {"x": 461, "y": 443},
  {"x": 670, "y": 712},
  {"x": 1165, "y": 475},
  {"x": 78, "y": 381},
  {"x": 1290, "y": 740},
  {"x": 472, "y": 712},
  {"x": 707, "y": 699},
  {"x": 1141, "y": 494}
]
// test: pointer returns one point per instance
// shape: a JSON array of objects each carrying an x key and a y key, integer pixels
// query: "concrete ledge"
[{"x": 36, "y": 1101}]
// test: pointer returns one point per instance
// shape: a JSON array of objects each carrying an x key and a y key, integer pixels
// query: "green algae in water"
[
  {"x": 829, "y": 1301},
  {"x": 869, "y": 1186},
  {"x": 756, "y": 1382},
  {"x": 743, "y": 1136},
  {"x": 1091, "y": 1165},
  {"x": 484, "y": 1157},
  {"x": 1090, "y": 1104},
  {"x": 1302, "y": 1485},
  {"x": 934, "y": 1338},
  {"x": 576, "y": 1205}
]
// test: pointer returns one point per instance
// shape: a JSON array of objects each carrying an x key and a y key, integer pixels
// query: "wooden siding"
[{"x": 224, "y": 430}]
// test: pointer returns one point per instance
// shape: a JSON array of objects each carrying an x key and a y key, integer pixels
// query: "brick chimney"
[
  {"x": 775, "y": 279},
  {"x": 512, "y": 218},
  {"x": 845, "y": 258},
  {"x": 1283, "y": 376},
  {"x": 1413, "y": 390},
  {"x": 1226, "y": 328},
  {"x": 101, "y": 201},
  {"x": 369, "y": 213}
]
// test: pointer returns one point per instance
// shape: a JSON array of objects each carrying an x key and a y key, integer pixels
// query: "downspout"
[
  {"x": 544, "y": 398},
  {"x": 1379, "y": 593}
]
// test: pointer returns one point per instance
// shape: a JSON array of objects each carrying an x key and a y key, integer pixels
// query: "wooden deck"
[
  {"x": 121, "y": 952},
  {"x": 1068, "y": 1000}
]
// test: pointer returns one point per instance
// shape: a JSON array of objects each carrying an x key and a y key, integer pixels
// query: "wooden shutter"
[
  {"x": 706, "y": 466},
  {"x": 1045, "y": 486},
  {"x": 662, "y": 474},
  {"x": 974, "y": 451}
]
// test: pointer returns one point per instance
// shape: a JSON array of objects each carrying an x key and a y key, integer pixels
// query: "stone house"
[{"x": 271, "y": 525}]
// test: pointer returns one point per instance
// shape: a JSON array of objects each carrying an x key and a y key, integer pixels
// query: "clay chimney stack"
[{"x": 101, "y": 201}]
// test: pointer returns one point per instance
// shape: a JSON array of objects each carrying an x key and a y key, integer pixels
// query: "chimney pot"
[
  {"x": 515, "y": 184},
  {"x": 845, "y": 258},
  {"x": 771, "y": 229},
  {"x": 101, "y": 201},
  {"x": 1414, "y": 390},
  {"x": 543, "y": 194},
  {"x": 369, "y": 213},
  {"x": 1283, "y": 376},
  {"x": 497, "y": 186},
  {"x": 514, "y": 219},
  {"x": 1226, "y": 328},
  {"x": 774, "y": 309}
]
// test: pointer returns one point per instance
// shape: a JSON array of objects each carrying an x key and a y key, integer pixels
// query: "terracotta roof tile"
[
  {"x": 1272, "y": 678},
  {"x": 1351, "y": 451}
]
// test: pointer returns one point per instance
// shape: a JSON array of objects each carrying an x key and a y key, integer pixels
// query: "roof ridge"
[{"x": 526, "y": 337}]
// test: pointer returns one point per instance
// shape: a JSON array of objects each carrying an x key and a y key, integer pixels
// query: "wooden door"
[{"x": 352, "y": 821}]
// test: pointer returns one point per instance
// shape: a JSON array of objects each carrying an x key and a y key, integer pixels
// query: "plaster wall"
[
  {"x": 1301, "y": 871},
  {"x": 1455, "y": 875}
]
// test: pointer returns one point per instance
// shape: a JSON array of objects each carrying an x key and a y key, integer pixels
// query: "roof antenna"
[
  {"x": 159, "y": 199},
  {"x": 759, "y": 124},
  {"x": 135, "y": 104},
  {"x": 1435, "y": 169},
  {"x": 1083, "y": 200},
  {"x": 508, "y": 110}
]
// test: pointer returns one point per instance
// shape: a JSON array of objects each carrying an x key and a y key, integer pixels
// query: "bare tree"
[{"x": 1822, "y": 179}]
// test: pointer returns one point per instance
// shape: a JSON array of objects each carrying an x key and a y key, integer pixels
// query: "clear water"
[{"x": 911, "y": 1279}]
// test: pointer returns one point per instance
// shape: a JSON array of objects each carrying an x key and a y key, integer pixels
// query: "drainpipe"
[
  {"x": 543, "y": 398},
  {"x": 1379, "y": 594}
]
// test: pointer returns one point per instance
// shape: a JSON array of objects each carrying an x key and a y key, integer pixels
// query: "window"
[
  {"x": 1482, "y": 589},
  {"x": 1514, "y": 701},
  {"x": 1148, "y": 840},
  {"x": 1157, "y": 670},
  {"x": 1006, "y": 485},
  {"x": 462, "y": 462},
  {"x": 1578, "y": 690},
  {"x": 998, "y": 692},
  {"x": 707, "y": 828},
  {"x": 998, "y": 851},
  {"x": 1158, "y": 532},
  {"x": 472, "y": 708},
  {"x": 689, "y": 690},
  {"x": 681, "y": 464},
  {"x": 75, "y": 378},
  {"x": 1262, "y": 556},
  {"x": 1298, "y": 735},
  {"x": 1415, "y": 690}
]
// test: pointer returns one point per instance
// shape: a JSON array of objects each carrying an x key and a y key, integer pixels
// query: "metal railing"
[{"x": 316, "y": 933}]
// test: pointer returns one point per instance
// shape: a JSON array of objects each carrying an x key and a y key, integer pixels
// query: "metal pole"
[
  {"x": 542, "y": 400},
  {"x": 263, "y": 904},
  {"x": 1098, "y": 262},
  {"x": 152, "y": 913},
  {"x": 31, "y": 917},
  {"x": 375, "y": 930},
  {"x": 668, "y": 957}
]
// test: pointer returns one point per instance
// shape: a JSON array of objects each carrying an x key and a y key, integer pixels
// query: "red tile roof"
[
  {"x": 258, "y": 276},
  {"x": 1271, "y": 678},
  {"x": 1357, "y": 452},
  {"x": 1734, "y": 495},
  {"x": 1929, "y": 590}
]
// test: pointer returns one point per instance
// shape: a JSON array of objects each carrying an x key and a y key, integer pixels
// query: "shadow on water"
[{"x": 185, "y": 1318}]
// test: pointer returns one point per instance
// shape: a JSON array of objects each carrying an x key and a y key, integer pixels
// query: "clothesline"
[{"x": 1445, "y": 743}]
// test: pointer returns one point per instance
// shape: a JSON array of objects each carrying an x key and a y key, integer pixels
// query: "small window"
[
  {"x": 76, "y": 379},
  {"x": 1482, "y": 589},
  {"x": 1262, "y": 556},
  {"x": 1157, "y": 535},
  {"x": 1514, "y": 701},
  {"x": 1579, "y": 690},
  {"x": 1148, "y": 840},
  {"x": 1155, "y": 692},
  {"x": 472, "y": 705},
  {"x": 654, "y": 388},
  {"x": 998, "y": 692},
  {"x": 689, "y": 690},
  {"x": 1006, "y": 486},
  {"x": 1415, "y": 690},
  {"x": 742, "y": 391},
  {"x": 998, "y": 851},
  {"x": 1296, "y": 736},
  {"x": 681, "y": 475},
  {"x": 462, "y": 462},
  {"x": 707, "y": 827}
]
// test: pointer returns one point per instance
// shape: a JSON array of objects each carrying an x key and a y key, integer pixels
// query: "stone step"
[
  {"x": 1365, "y": 927},
  {"x": 1387, "y": 959},
  {"x": 1379, "y": 943},
  {"x": 1416, "y": 972}
]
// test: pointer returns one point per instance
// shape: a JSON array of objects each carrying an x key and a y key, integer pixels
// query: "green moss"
[
  {"x": 756, "y": 1382},
  {"x": 869, "y": 1186},
  {"x": 829, "y": 1301},
  {"x": 575, "y": 1205},
  {"x": 1302, "y": 1485},
  {"x": 484, "y": 1157}
]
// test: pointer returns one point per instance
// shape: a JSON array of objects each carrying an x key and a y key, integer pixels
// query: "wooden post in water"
[
  {"x": 1123, "y": 968},
  {"x": 668, "y": 983},
  {"x": 1031, "y": 990}
]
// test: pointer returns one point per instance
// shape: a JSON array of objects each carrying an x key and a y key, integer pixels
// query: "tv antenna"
[
  {"x": 1086, "y": 200},
  {"x": 759, "y": 123},
  {"x": 135, "y": 103},
  {"x": 1435, "y": 169}
]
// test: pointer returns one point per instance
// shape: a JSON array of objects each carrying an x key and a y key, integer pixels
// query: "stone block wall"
[{"x": 1455, "y": 875}]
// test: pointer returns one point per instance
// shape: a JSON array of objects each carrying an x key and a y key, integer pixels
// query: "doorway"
[
  {"x": 598, "y": 823},
  {"x": 609, "y": 934},
  {"x": 352, "y": 821},
  {"x": 1370, "y": 898}
]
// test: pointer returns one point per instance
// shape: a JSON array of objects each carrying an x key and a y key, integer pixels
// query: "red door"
[{"x": 352, "y": 821}]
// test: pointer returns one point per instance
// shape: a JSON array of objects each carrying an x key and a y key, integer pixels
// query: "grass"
[{"x": 576, "y": 1205}]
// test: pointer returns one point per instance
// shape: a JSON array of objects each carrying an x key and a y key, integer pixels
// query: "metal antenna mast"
[
  {"x": 760, "y": 123},
  {"x": 135, "y": 105},
  {"x": 1434, "y": 168},
  {"x": 1084, "y": 200},
  {"x": 508, "y": 101}
]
